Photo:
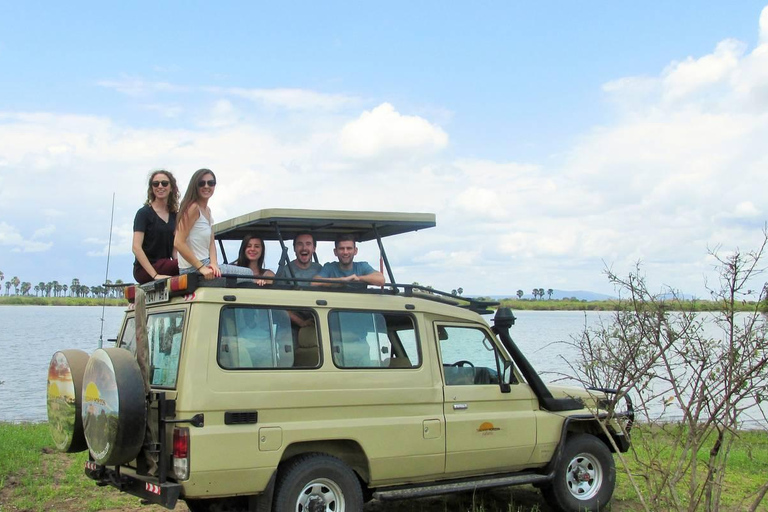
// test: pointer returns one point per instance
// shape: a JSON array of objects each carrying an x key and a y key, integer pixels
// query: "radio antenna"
[{"x": 106, "y": 275}]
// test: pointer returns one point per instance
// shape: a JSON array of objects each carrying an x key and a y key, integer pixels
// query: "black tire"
[
  {"x": 64, "y": 400},
  {"x": 584, "y": 477},
  {"x": 114, "y": 406},
  {"x": 317, "y": 483},
  {"x": 239, "y": 504}
]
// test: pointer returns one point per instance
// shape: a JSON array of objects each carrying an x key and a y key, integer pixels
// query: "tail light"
[
  {"x": 130, "y": 293},
  {"x": 181, "y": 453},
  {"x": 179, "y": 283}
]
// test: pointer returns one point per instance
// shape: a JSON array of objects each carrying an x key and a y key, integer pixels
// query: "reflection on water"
[{"x": 29, "y": 336}]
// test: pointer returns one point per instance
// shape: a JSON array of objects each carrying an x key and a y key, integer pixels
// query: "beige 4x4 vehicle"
[{"x": 298, "y": 399}]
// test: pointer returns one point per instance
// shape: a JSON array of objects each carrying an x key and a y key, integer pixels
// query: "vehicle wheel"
[
  {"x": 64, "y": 400},
  {"x": 317, "y": 483},
  {"x": 218, "y": 505},
  {"x": 585, "y": 476},
  {"x": 114, "y": 406}
]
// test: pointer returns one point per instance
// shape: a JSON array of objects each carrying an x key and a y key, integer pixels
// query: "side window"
[
  {"x": 469, "y": 356},
  {"x": 366, "y": 339},
  {"x": 261, "y": 338},
  {"x": 164, "y": 336}
]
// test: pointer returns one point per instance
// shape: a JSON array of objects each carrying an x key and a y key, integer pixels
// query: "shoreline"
[
  {"x": 20, "y": 300},
  {"x": 514, "y": 304}
]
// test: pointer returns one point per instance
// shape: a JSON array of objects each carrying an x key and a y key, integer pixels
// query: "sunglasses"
[
  {"x": 163, "y": 183},
  {"x": 210, "y": 183}
]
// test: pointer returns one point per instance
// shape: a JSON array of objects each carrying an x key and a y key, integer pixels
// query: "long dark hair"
[
  {"x": 242, "y": 259},
  {"x": 192, "y": 195},
  {"x": 173, "y": 196}
]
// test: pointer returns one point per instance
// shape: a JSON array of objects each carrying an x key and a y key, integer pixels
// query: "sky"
[{"x": 552, "y": 140}]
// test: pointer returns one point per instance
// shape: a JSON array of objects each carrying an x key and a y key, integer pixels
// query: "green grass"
[
  {"x": 35, "y": 477},
  {"x": 746, "y": 470},
  {"x": 612, "y": 305},
  {"x": 22, "y": 300}
]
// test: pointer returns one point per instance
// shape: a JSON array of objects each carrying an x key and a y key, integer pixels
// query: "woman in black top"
[{"x": 153, "y": 230}]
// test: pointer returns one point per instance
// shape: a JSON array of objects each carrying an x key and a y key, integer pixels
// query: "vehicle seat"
[{"x": 307, "y": 353}]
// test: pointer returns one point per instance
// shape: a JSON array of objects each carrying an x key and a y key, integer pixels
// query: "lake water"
[{"x": 29, "y": 335}]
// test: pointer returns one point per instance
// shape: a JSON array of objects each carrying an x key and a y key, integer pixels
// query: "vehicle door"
[{"x": 489, "y": 411}]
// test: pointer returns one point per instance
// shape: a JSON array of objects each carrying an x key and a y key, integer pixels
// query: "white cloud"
[
  {"x": 138, "y": 87},
  {"x": 291, "y": 99},
  {"x": 10, "y": 237},
  {"x": 384, "y": 130},
  {"x": 683, "y": 78},
  {"x": 44, "y": 232}
]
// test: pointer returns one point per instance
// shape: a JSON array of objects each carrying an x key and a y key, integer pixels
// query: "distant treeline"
[
  {"x": 615, "y": 305},
  {"x": 27, "y": 300}
]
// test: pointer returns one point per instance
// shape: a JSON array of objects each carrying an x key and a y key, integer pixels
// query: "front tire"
[
  {"x": 317, "y": 483},
  {"x": 584, "y": 478}
]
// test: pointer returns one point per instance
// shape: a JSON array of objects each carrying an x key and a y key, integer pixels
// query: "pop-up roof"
[{"x": 326, "y": 225}]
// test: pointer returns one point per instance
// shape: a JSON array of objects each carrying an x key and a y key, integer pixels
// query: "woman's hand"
[
  {"x": 216, "y": 269},
  {"x": 160, "y": 276},
  {"x": 208, "y": 272}
]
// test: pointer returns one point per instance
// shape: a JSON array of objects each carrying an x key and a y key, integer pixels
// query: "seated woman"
[
  {"x": 153, "y": 229},
  {"x": 251, "y": 256},
  {"x": 194, "y": 234}
]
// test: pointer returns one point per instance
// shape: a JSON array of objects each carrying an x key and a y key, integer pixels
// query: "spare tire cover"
[
  {"x": 114, "y": 408},
  {"x": 64, "y": 398}
]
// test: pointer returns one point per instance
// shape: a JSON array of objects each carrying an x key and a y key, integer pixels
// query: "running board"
[{"x": 451, "y": 486}]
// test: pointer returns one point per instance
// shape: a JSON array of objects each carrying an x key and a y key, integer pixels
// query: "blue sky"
[{"x": 549, "y": 138}]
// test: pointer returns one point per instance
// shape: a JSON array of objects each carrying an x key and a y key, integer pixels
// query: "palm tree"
[
  {"x": 15, "y": 281},
  {"x": 75, "y": 285},
  {"x": 37, "y": 289},
  {"x": 25, "y": 287},
  {"x": 56, "y": 288},
  {"x": 7, "y": 288},
  {"x": 520, "y": 294},
  {"x": 41, "y": 286},
  {"x": 550, "y": 291},
  {"x": 64, "y": 288},
  {"x": 2, "y": 276},
  {"x": 460, "y": 290}
]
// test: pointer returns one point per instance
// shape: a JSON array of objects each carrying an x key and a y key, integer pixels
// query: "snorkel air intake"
[{"x": 502, "y": 321}]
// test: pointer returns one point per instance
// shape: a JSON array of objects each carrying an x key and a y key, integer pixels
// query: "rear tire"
[
  {"x": 584, "y": 478},
  {"x": 317, "y": 483}
]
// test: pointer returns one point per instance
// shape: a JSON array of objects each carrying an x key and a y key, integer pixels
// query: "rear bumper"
[{"x": 165, "y": 494}]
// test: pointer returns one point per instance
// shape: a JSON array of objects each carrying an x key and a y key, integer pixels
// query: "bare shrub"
[{"x": 692, "y": 389}]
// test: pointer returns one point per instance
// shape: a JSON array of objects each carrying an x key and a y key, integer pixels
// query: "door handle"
[{"x": 460, "y": 407}]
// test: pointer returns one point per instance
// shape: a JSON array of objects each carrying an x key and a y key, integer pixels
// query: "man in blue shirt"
[{"x": 346, "y": 270}]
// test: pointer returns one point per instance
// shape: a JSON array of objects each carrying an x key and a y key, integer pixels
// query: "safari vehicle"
[{"x": 290, "y": 398}]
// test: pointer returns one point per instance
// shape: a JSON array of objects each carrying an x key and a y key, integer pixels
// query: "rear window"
[
  {"x": 267, "y": 338},
  {"x": 164, "y": 335}
]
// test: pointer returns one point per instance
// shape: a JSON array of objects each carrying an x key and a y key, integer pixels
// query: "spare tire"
[
  {"x": 64, "y": 400},
  {"x": 114, "y": 406}
]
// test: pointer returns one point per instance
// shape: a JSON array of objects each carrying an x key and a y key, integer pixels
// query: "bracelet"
[
  {"x": 155, "y": 277},
  {"x": 201, "y": 266}
]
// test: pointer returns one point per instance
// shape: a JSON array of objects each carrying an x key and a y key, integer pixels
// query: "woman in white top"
[{"x": 194, "y": 240}]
